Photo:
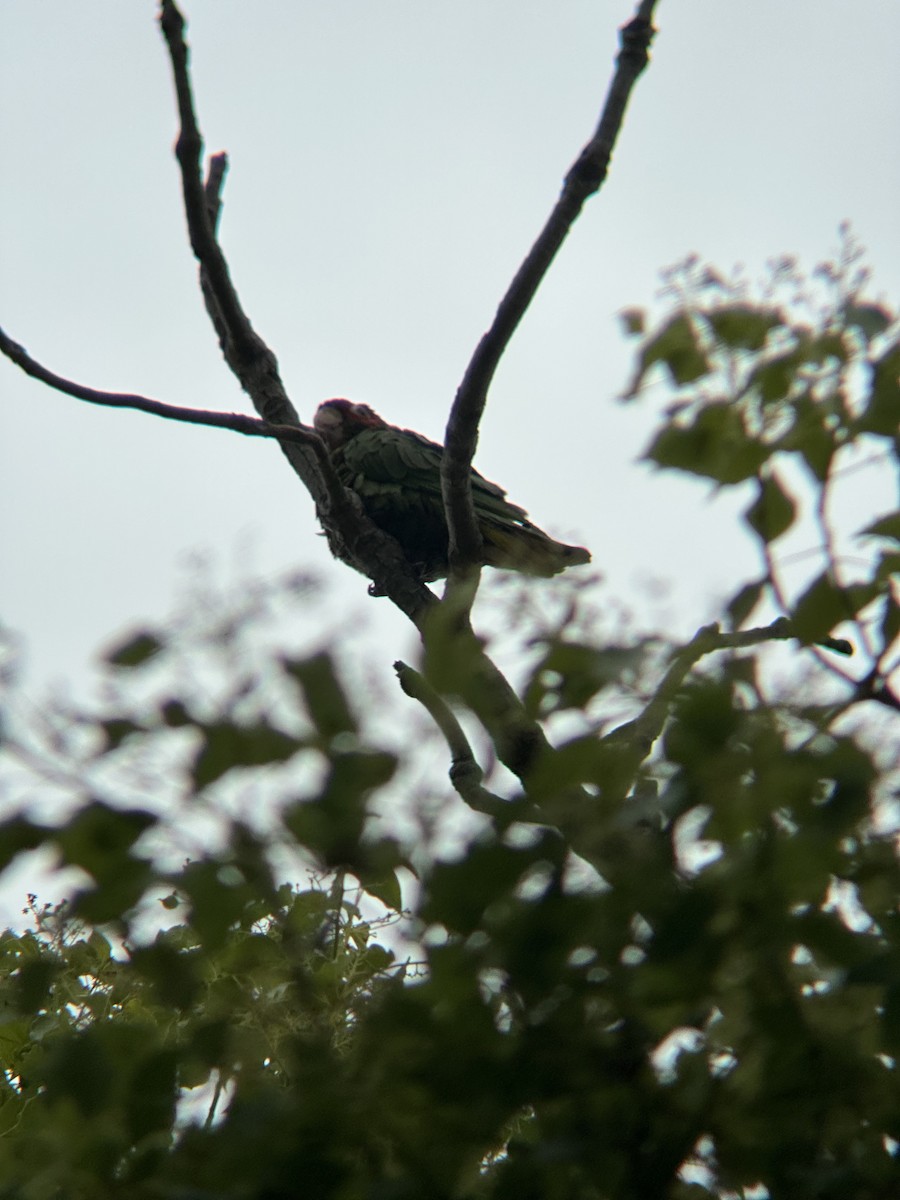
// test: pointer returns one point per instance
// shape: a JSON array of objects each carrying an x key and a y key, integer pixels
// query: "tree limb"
[
  {"x": 237, "y": 422},
  {"x": 350, "y": 533},
  {"x": 583, "y": 179},
  {"x": 645, "y": 729},
  {"x": 465, "y": 773}
]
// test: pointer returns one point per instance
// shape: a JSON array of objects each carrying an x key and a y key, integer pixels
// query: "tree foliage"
[{"x": 666, "y": 965}]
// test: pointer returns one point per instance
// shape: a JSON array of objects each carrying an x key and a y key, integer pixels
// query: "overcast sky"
[{"x": 391, "y": 162}]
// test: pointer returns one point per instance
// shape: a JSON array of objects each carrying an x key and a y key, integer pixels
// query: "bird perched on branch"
[{"x": 396, "y": 474}]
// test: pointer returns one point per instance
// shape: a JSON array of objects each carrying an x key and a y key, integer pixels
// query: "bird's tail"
[{"x": 528, "y": 549}]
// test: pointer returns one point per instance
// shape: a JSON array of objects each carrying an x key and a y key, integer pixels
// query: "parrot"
[{"x": 396, "y": 474}]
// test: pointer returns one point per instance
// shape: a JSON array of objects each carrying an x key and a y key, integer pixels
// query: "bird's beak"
[{"x": 327, "y": 424}]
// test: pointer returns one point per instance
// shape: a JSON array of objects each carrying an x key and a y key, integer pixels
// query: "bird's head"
[{"x": 337, "y": 421}]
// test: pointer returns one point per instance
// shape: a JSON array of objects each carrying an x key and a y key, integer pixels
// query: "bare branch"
[
  {"x": 246, "y": 344},
  {"x": 237, "y": 422},
  {"x": 645, "y": 729},
  {"x": 350, "y": 533},
  {"x": 584, "y": 178},
  {"x": 465, "y": 773},
  {"x": 377, "y": 553}
]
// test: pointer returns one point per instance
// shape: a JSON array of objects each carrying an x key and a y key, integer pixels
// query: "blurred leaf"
[
  {"x": 175, "y": 714},
  {"x": 325, "y": 700},
  {"x": 385, "y": 888},
  {"x": 881, "y": 413},
  {"x": 811, "y": 436},
  {"x": 331, "y": 824},
  {"x": 378, "y": 874},
  {"x": 116, "y": 730},
  {"x": 743, "y": 326},
  {"x": 226, "y": 746},
  {"x": 80, "y": 1067},
  {"x": 571, "y": 673},
  {"x": 34, "y": 980},
  {"x": 825, "y": 604},
  {"x": 219, "y": 895},
  {"x": 773, "y": 377},
  {"x": 745, "y": 601},
  {"x": 459, "y": 892},
  {"x": 138, "y": 649},
  {"x": 889, "y": 625},
  {"x": 98, "y": 837},
  {"x": 887, "y": 527},
  {"x": 870, "y": 319},
  {"x": 633, "y": 321},
  {"x": 676, "y": 346},
  {"x": 715, "y": 444},
  {"x": 174, "y": 975},
  {"x": 772, "y": 512},
  {"x": 18, "y": 835},
  {"x": 150, "y": 1102}
]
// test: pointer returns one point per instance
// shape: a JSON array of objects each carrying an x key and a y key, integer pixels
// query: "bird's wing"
[{"x": 401, "y": 458}]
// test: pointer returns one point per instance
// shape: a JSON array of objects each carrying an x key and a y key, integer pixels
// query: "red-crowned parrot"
[{"x": 397, "y": 475}]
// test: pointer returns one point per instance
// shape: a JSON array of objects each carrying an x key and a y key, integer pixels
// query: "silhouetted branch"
[
  {"x": 465, "y": 773},
  {"x": 237, "y": 422},
  {"x": 645, "y": 729},
  {"x": 246, "y": 344},
  {"x": 584, "y": 178},
  {"x": 350, "y": 533}
]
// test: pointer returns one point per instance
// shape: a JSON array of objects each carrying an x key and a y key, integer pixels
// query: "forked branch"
[{"x": 584, "y": 178}]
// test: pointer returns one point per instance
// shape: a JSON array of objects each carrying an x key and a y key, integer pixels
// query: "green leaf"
[
  {"x": 674, "y": 345},
  {"x": 99, "y": 838},
  {"x": 219, "y": 895},
  {"x": 825, "y": 604},
  {"x": 116, "y": 730},
  {"x": 227, "y": 745},
  {"x": 152, "y": 1091},
  {"x": 325, "y": 699},
  {"x": 137, "y": 650},
  {"x": 743, "y": 603},
  {"x": 570, "y": 674},
  {"x": 677, "y": 348},
  {"x": 34, "y": 980},
  {"x": 772, "y": 512},
  {"x": 889, "y": 625},
  {"x": 743, "y": 326},
  {"x": 811, "y": 436},
  {"x": 773, "y": 377},
  {"x": 870, "y": 319},
  {"x": 633, "y": 320},
  {"x": 384, "y": 887},
  {"x": 331, "y": 824},
  {"x": 715, "y": 444},
  {"x": 81, "y": 1068},
  {"x": 887, "y": 527},
  {"x": 17, "y": 836},
  {"x": 881, "y": 412},
  {"x": 459, "y": 892},
  {"x": 174, "y": 974}
]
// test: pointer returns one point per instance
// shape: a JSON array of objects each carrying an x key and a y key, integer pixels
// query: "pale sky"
[{"x": 391, "y": 162}]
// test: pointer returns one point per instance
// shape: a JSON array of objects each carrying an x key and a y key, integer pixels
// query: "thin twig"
[
  {"x": 645, "y": 729},
  {"x": 217, "y": 1092},
  {"x": 237, "y": 422},
  {"x": 583, "y": 179},
  {"x": 189, "y": 152}
]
